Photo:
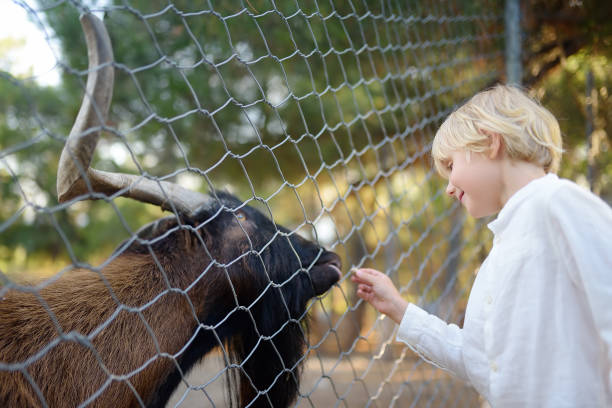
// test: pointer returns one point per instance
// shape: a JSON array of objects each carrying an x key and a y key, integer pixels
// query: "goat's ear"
[
  {"x": 193, "y": 220},
  {"x": 196, "y": 221},
  {"x": 199, "y": 215},
  {"x": 156, "y": 228}
]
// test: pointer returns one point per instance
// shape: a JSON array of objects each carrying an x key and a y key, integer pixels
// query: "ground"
[{"x": 355, "y": 381}]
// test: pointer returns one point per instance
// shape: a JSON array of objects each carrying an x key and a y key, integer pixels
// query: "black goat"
[
  {"x": 216, "y": 274},
  {"x": 226, "y": 277}
]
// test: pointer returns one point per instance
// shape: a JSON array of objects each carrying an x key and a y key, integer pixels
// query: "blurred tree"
[
  {"x": 261, "y": 97},
  {"x": 564, "y": 40},
  {"x": 564, "y": 92},
  {"x": 28, "y": 113},
  {"x": 558, "y": 29}
]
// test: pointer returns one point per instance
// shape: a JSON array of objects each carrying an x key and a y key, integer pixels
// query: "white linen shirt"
[{"x": 538, "y": 323}]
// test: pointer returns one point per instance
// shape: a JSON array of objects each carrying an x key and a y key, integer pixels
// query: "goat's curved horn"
[{"x": 74, "y": 176}]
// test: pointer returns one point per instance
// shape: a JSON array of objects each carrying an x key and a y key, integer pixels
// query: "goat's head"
[
  {"x": 240, "y": 245},
  {"x": 267, "y": 253},
  {"x": 267, "y": 272}
]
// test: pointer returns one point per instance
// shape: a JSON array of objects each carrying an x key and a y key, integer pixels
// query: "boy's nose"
[{"x": 450, "y": 189}]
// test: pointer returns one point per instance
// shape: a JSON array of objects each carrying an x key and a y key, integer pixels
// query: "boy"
[{"x": 538, "y": 323}]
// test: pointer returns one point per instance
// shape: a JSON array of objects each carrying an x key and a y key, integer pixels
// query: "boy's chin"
[{"x": 481, "y": 213}]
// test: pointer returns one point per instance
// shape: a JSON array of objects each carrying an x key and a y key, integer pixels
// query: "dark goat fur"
[{"x": 91, "y": 350}]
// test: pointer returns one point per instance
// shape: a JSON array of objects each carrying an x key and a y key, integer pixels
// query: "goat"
[{"x": 215, "y": 274}]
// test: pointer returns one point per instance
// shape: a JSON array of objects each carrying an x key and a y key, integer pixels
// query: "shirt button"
[
  {"x": 493, "y": 366},
  {"x": 489, "y": 299}
]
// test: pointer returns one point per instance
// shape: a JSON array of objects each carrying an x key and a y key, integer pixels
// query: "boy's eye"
[{"x": 450, "y": 166}]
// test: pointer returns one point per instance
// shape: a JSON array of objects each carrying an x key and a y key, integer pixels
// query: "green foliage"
[
  {"x": 29, "y": 115},
  {"x": 322, "y": 109},
  {"x": 564, "y": 92}
]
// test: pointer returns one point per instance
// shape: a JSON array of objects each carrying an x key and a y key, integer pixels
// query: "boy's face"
[{"x": 475, "y": 180}]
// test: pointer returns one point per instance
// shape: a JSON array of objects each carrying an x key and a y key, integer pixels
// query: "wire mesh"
[{"x": 320, "y": 114}]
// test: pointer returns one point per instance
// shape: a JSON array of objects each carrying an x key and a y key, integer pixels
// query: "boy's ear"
[{"x": 496, "y": 145}]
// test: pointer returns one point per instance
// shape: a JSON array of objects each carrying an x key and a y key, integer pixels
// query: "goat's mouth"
[{"x": 326, "y": 272}]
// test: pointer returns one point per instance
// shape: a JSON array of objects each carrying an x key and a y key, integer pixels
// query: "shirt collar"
[{"x": 503, "y": 218}]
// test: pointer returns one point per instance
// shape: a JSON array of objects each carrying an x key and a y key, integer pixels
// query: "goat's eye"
[{"x": 240, "y": 215}]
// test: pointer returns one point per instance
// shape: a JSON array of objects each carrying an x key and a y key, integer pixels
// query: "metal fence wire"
[{"x": 320, "y": 114}]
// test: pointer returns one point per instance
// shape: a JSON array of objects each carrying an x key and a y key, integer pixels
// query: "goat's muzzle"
[{"x": 326, "y": 272}]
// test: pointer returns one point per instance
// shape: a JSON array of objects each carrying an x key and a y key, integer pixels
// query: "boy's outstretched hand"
[{"x": 377, "y": 289}]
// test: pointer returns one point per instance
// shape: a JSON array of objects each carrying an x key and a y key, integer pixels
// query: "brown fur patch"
[{"x": 84, "y": 330}]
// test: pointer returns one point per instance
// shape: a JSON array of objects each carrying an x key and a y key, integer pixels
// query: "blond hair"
[{"x": 529, "y": 131}]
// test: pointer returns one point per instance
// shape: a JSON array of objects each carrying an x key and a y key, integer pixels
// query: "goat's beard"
[{"x": 265, "y": 372}]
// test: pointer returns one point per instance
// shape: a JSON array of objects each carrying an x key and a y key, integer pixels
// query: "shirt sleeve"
[
  {"x": 433, "y": 339},
  {"x": 581, "y": 224}
]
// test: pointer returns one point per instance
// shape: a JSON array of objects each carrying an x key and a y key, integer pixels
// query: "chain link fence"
[{"x": 320, "y": 113}]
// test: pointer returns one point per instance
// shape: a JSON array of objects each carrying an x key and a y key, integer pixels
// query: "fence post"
[{"x": 514, "y": 69}]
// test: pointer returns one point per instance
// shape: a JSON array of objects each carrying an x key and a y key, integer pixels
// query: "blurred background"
[{"x": 321, "y": 111}]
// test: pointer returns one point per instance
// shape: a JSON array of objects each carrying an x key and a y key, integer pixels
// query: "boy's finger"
[
  {"x": 365, "y": 275},
  {"x": 364, "y": 288},
  {"x": 357, "y": 280},
  {"x": 364, "y": 295},
  {"x": 369, "y": 271}
]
